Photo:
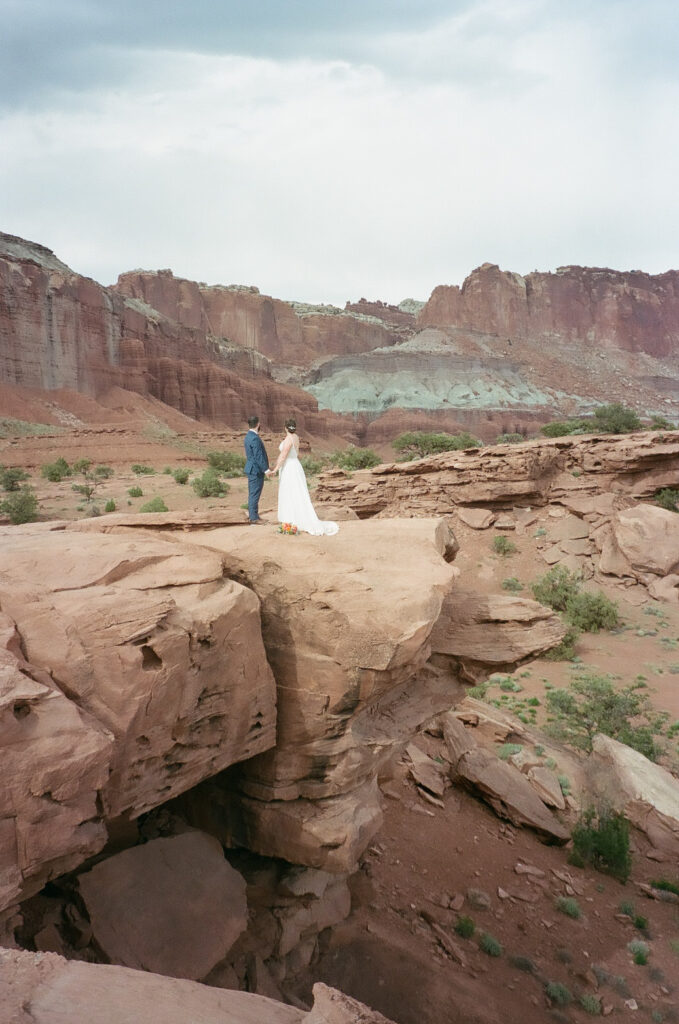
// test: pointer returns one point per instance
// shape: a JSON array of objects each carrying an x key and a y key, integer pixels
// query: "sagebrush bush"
[
  {"x": 181, "y": 475},
  {"x": 503, "y": 546},
  {"x": 601, "y": 838},
  {"x": 615, "y": 418},
  {"x": 569, "y": 906},
  {"x": 154, "y": 505},
  {"x": 566, "y": 650},
  {"x": 417, "y": 444},
  {"x": 591, "y": 612},
  {"x": 142, "y": 470},
  {"x": 563, "y": 428},
  {"x": 509, "y": 439},
  {"x": 489, "y": 944},
  {"x": 230, "y": 464},
  {"x": 313, "y": 465},
  {"x": 590, "y": 1004},
  {"x": 558, "y": 993},
  {"x": 667, "y": 498},
  {"x": 209, "y": 485},
  {"x": 513, "y": 585},
  {"x": 135, "y": 492},
  {"x": 465, "y": 927},
  {"x": 639, "y": 950},
  {"x": 56, "y": 471},
  {"x": 355, "y": 458},
  {"x": 21, "y": 506},
  {"x": 11, "y": 477},
  {"x": 110, "y": 505},
  {"x": 556, "y": 587},
  {"x": 661, "y": 423}
]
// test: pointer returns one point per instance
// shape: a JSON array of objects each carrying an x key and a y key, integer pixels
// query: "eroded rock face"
[
  {"x": 146, "y": 674},
  {"x": 566, "y": 470},
  {"x": 633, "y": 310},
  {"x": 639, "y": 541}
]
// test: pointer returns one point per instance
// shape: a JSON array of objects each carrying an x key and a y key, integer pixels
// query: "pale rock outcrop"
[
  {"x": 639, "y": 541},
  {"x": 146, "y": 674},
  {"x": 173, "y": 906},
  {"x": 508, "y": 792},
  {"x": 645, "y": 792},
  {"x": 573, "y": 471},
  {"x": 333, "y": 1007},
  {"x": 477, "y": 518}
]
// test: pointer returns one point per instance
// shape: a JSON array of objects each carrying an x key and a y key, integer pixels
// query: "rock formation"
[
  {"x": 610, "y": 309},
  {"x": 573, "y": 471}
]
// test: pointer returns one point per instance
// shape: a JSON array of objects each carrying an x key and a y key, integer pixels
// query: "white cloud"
[{"x": 325, "y": 179}]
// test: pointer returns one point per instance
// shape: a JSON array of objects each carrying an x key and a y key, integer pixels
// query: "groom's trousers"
[{"x": 255, "y": 485}]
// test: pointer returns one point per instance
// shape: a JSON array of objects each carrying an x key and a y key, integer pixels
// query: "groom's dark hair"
[{"x": 253, "y": 421}]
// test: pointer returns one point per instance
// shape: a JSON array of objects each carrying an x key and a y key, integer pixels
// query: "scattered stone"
[
  {"x": 479, "y": 899},
  {"x": 504, "y": 523},
  {"x": 528, "y": 869},
  {"x": 477, "y": 518},
  {"x": 503, "y": 894},
  {"x": 457, "y": 901},
  {"x": 547, "y": 786}
]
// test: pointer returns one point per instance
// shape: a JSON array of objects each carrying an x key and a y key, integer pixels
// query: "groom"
[{"x": 256, "y": 468}]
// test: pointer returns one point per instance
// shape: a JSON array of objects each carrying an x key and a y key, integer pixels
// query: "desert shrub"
[
  {"x": 11, "y": 477},
  {"x": 180, "y": 475},
  {"x": 92, "y": 477},
  {"x": 639, "y": 950},
  {"x": 661, "y": 423},
  {"x": 591, "y": 612},
  {"x": 167, "y": 470},
  {"x": 228, "y": 463},
  {"x": 21, "y": 506},
  {"x": 154, "y": 505},
  {"x": 110, "y": 505},
  {"x": 556, "y": 587},
  {"x": 601, "y": 838},
  {"x": 135, "y": 492},
  {"x": 506, "y": 750},
  {"x": 640, "y": 922},
  {"x": 416, "y": 444},
  {"x": 523, "y": 963},
  {"x": 465, "y": 927},
  {"x": 626, "y": 908},
  {"x": 489, "y": 944},
  {"x": 667, "y": 498},
  {"x": 312, "y": 466},
  {"x": 503, "y": 546},
  {"x": 565, "y": 784},
  {"x": 209, "y": 485},
  {"x": 615, "y": 418},
  {"x": 55, "y": 471},
  {"x": 558, "y": 993},
  {"x": 142, "y": 470},
  {"x": 569, "y": 906},
  {"x": 591, "y": 704},
  {"x": 666, "y": 886},
  {"x": 512, "y": 585},
  {"x": 565, "y": 651},
  {"x": 509, "y": 439},
  {"x": 590, "y": 1004},
  {"x": 563, "y": 428},
  {"x": 355, "y": 458}
]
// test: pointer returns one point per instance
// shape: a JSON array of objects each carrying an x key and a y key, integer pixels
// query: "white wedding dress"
[{"x": 294, "y": 503}]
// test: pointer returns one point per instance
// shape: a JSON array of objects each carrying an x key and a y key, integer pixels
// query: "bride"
[{"x": 294, "y": 503}]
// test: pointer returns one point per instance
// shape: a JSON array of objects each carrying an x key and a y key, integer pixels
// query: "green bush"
[
  {"x": 11, "y": 477},
  {"x": 590, "y": 1004},
  {"x": 355, "y": 458},
  {"x": 523, "y": 963},
  {"x": 110, "y": 505},
  {"x": 465, "y": 927},
  {"x": 143, "y": 470},
  {"x": 154, "y": 505},
  {"x": 507, "y": 750},
  {"x": 639, "y": 950},
  {"x": 667, "y": 498},
  {"x": 591, "y": 704},
  {"x": 230, "y": 464},
  {"x": 615, "y": 418},
  {"x": 181, "y": 476},
  {"x": 556, "y": 587},
  {"x": 21, "y": 506},
  {"x": 563, "y": 428},
  {"x": 56, "y": 471},
  {"x": 135, "y": 492},
  {"x": 209, "y": 485},
  {"x": 569, "y": 906},
  {"x": 312, "y": 466},
  {"x": 666, "y": 886},
  {"x": 565, "y": 651},
  {"x": 558, "y": 993},
  {"x": 602, "y": 840},
  {"x": 416, "y": 444},
  {"x": 92, "y": 478},
  {"x": 591, "y": 612},
  {"x": 503, "y": 546},
  {"x": 661, "y": 423},
  {"x": 512, "y": 585},
  {"x": 509, "y": 439},
  {"x": 489, "y": 944}
]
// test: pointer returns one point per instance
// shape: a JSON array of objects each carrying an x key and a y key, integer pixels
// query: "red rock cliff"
[{"x": 633, "y": 311}]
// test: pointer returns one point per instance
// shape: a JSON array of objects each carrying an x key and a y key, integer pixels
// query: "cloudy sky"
[{"x": 330, "y": 149}]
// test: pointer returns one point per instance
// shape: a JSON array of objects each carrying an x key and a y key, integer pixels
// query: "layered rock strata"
[
  {"x": 132, "y": 670},
  {"x": 562, "y": 470}
]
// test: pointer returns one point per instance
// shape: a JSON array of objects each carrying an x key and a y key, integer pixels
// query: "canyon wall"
[{"x": 633, "y": 311}]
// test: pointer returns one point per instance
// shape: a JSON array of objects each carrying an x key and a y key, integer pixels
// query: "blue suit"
[{"x": 256, "y": 464}]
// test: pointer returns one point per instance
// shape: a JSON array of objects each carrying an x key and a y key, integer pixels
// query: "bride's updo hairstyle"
[{"x": 291, "y": 426}]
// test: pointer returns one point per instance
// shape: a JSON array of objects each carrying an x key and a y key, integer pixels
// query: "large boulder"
[
  {"x": 647, "y": 538},
  {"x": 174, "y": 905},
  {"x": 645, "y": 792},
  {"x": 501, "y": 785},
  {"x": 141, "y": 671}
]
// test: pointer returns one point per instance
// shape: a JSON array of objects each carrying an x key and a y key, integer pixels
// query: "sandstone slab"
[
  {"x": 173, "y": 906},
  {"x": 477, "y": 518},
  {"x": 648, "y": 538}
]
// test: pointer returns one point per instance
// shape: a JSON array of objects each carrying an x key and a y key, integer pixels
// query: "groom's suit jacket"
[{"x": 257, "y": 461}]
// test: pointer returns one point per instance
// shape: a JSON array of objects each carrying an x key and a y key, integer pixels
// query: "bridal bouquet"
[{"x": 288, "y": 528}]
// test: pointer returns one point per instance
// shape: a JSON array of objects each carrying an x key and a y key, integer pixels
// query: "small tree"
[
  {"x": 21, "y": 506},
  {"x": 92, "y": 477},
  {"x": 56, "y": 471},
  {"x": 601, "y": 838},
  {"x": 615, "y": 418},
  {"x": 556, "y": 587},
  {"x": 416, "y": 444},
  {"x": 11, "y": 477},
  {"x": 355, "y": 458},
  {"x": 592, "y": 705}
]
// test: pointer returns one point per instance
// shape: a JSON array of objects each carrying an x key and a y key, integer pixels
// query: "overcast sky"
[{"x": 330, "y": 149}]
